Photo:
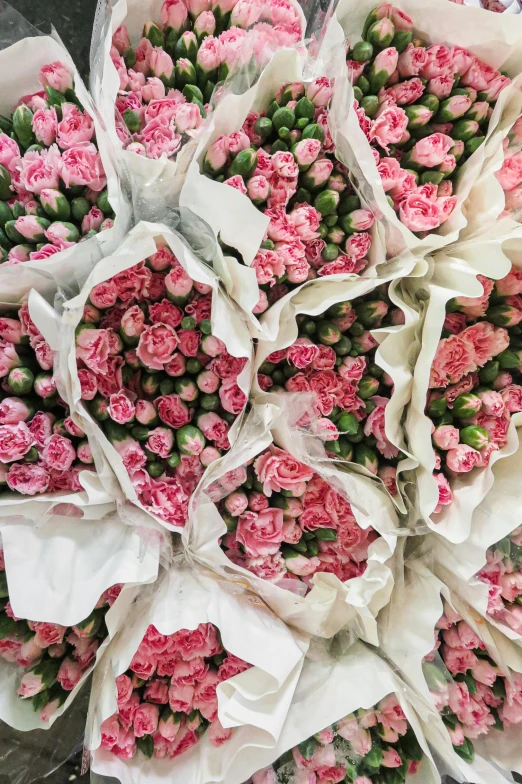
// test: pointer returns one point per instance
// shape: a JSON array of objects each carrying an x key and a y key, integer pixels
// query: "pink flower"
[
  {"x": 187, "y": 117},
  {"x": 232, "y": 398},
  {"x": 389, "y": 126},
  {"x": 260, "y": 533},
  {"x": 157, "y": 345},
  {"x": 432, "y": 150},
  {"x": 104, "y": 295},
  {"x": 487, "y": 341},
  {"x": 82, "y": 165},
  {"x": 446, "y": 437},
  {"x": 406, "y": 92},
  {"x": 302, "y": 353},
  {"x": 57, "y": 76},
  {"x": 419, "y": 214},
  {"x": 92, "y": 348},
  {"x": 161, "y": 441},
  {"x": 76, "y": 127},
  {"x": 69, "y": 674},
  {"x": 146, "y": 720},
  {"x": 45, "y": 124},
  {"x": 205, "y": 699},
  {"x": 462, "y": 458},
  {"x": 173, "y": 411},
  {"x": 41, "y": 170},
  {"x": 58, "y": 453},
  {"x": 412, "y": 61},
  {"x": 15, "y": 441},
  {"x": 277, "y": 470},
  {"x": 375, "y": 426},
  {"x": 439, "y": 61},
  {"x": 210, "y": 54},
  {"x": 160, "y": 138},
  {"x": 455, "y": 358},
  {"x": 13, "y": 410},
  {"x": 121, "y": 408},
  {"x": 93, "y": 220},
  {"x": 9, "y": 153},
  {"x": 198, "y": 643}
]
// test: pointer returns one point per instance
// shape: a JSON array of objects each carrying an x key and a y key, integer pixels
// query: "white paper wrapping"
[
  {"x": 495, "y": 39},
  {"x": 239, "y": 224},
  {"x": 19, "y": 713},
  {"x": 327, "y": 691},
  {"x": 454, "y": 274},
  {"x": 227, "y": 324},
  {"x": 68, "y": 265},
  {"x": 407, "y": 635},
  {"x": 331, "y": 604},
  {"x": 257, "y": 700},
  {"x": 393, "y": 354}
]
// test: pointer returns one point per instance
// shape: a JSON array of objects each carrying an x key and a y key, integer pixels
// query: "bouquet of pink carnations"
[
  {"x": 365, "y": 747},
  {"x": 474, "y": 389},
  {"x": 52, "y": 659},
  {"x": 503, "y": 574},
  {"x": 155, "y": 382},
  {"x": 42, "y": 450},
  {"x": 472, "y": 693},
  {"x": 335, "y": 359},
  {"x": 52, "y": 181},
  {"x": 168, "y": 77}
]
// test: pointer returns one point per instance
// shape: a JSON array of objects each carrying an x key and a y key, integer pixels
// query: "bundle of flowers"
[
  {"x": 286, "y": 523},
  {"x": 475, "y": 379},
  {"x": 167, "y": 698},
  {"x": 503, "y": 574},
  {"x": 510, "y": 174},
  {"x": 52, "y": 658},
  {"x": 334, "y": 358},
  {"x": 365, "y": 747},
  {"x": 424, "y": 110},
  {"x": 167, "y": 80},
  {"x": 283, "y": 160},
  {"x": 472, "y": 694},
  {"x": 52, "y": 181},
  {"x": 162, "y": 387},
  {"x": 41, "y": 448}
]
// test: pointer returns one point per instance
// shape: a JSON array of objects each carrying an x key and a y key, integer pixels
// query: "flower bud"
[
  {"x": 23, "y": 125},
  {"x": 187, "y": 47},
  {"x": 20, "y": 380},
  {"x": 153, "y": 33},
  {"x": 178, "y": 285},
  {"x": 305, "y": 152},
  {"x": 318, "y": 174},
  {"x": 452, "y": 108},
  {"x": 382, "y": 68},
  {"x": 368, "y": 386},
  {"x": 478, "y": 111},
  {"x": 320, "y": 91},
  {"x": 418, "y": 115},
  {"x": 464, "y": 130},
  {"x": 209, "y": 455},
  {"x": 366, "y": 458},
  {"x": 5, "y": 183},
  {"x": 474, "y": 436},
  {"x": 44, "y": 385},
  {"x": 190, "y": 440},
  {"x": 185, "y": 72},
  {"x": 358, "y": 220},
  {"x": 326, "y": 202},
  {"x": 371, "y": 313},
  {"x": 446, "y": 437},
  {"x": 327, "y": 333},
  {"x": 466, "y": 405},
  {"x": 381, "y": 33},
  {"x": 55, "y": 204},
  {"x": 503, "y": 315},
  {"x": 244, "y": 164},
  {"x": 162, "y": 66},
  {"x": 174, "y": 15},
  {"x": 216, "y": 158},
  {"x": 205, "y": 25},
  {"x": 32, "y": 228}
]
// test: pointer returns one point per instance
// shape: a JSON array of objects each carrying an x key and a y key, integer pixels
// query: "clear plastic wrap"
[
  {"x": 227, "y": 326},
  {"x": 253, "y": 704},
  {"x": 497, "y": 42},
  {"x": 23, "y": 43},
  {"x": 454, "y": 274},
  {"x": 331, "y": 604}
]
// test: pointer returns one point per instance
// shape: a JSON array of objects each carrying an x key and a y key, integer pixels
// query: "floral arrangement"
[
  {"x": 472, "y": 694},
  {"x": 365, "y": 747},
  {"x": 334, "y": 359},
  {"x": 283, "y": 160},
  {"x": 474, "y": 379},
  {"x": 162, "y": 387},
  {"x": 53, "y": 658},
  {"x": 424, "y": 110},
  {"x": 502, "y": 573},
  {"x": 167, "y": 698},
  {"x": 168, "y": 79},
  {"x": 510, "y": 174},
  {"x": 41, "y": 448},
  {"x": 52, "y": 182},
  {"x": 286, "y": 523}
]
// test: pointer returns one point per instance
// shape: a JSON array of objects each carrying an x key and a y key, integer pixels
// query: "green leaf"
[
  {"x": 307, "y": 747},
  {"x": 465, "y": 750},
  {"x": 146, "y": 745}
]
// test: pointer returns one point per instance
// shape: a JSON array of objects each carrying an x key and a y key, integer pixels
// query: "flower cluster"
[
  {"x": 285, "y": 522},
  {"x": 167, "y": 698},
  {"x": 41, "y": 448},
  {"x": 473, "y": 379},
  {"x": 334, "y": 358},
  {"x": 423, "y": 109},
  {"x": 54, "y": 657},
  {"x": 283, "y": 160},
  {"x": 503, "y": 574},
  {"x": 52, "y": 182},
  {"x": 163, "y": 388},
  {"x": 471, "y": 693},
  {"x": 510, "y": 174},
  {"x": 360, "y": 748},
  {"x": 167, "y": 81}
]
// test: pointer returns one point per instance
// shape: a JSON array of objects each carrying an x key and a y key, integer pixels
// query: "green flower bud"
[
  {"x": 13, "y": 233},
  {"x": 330, "y": 252},
  {"x": 464, "y": 130},
  {"x": 190, "y": 440},
  {"x": 56, "y": 205},
  {"x": 244, "y": 164},
  {"x": 474, "y": 436},
  {"x": 174, "y": 460},
  {"x": 154, "y": 34},
  {"x": 5, "y": 213},
  {"x": 367, "y": 458},
  {"x": 472, "y": 145},
  {"x": 370, "y": 104},
  {"x": 401, "y": 40},
  {"x": 327, "y": 333},
  {"x": 23, "y": 125},
  {"x": 430, "y": 101},
  {"x": 362, "y": 52},
  {"x": 210, "y": 402},
  {"x": 437, "y": 407},
  {"x": 466, "y": 405},
  {"x": 347, "y": 424},
  {"x": 326, "y": 202},
  {"x": 140, "y": 432},
  {"x": 418, "y": 115},
  {"x": 99, "y": 408},
  {"x": 489, "y": 372},
  {"x": 5, "y": 182},
  {"x": 381, "y": 33},
  {"x": 339, "y": 310},
  {"x": 313, "y": 131},
  {"x": 371, "y": 313},
  {"x": 185, "y": 72},
  {"x": 131, "y": 120},
  {"x": 368, "y": 386},
  {"x": 20, "y": 380},
  {"x": 80, "y": 207}
]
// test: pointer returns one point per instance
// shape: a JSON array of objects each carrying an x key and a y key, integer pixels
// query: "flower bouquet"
[
  {"x": 42, "y": 665},
  {"x": 424, "y": 111},
  {"x": 149, "y": 371},
  {"x": 192, "y": 675},
  {"x": 351, "y": 356},
  {"x": 154, "y": 76},
  {"x": 280, "y": 156},
  {"x": 61, "y": 203},
  {"x": 285, "y": 527}
]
